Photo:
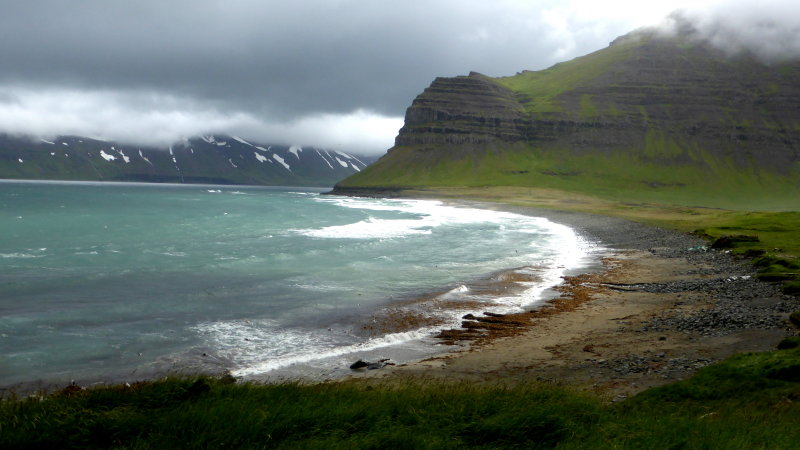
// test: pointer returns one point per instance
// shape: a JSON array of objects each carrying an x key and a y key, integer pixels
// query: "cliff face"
[
  {"x": 693, "y": 99},
  {"x": 646, "y": 110},
  {"x": 688, "y": 98},
  {"x": 463, "y": 110}
]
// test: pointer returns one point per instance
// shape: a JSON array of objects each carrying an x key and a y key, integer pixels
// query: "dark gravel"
[
  {"x": 649, "y": 363},
  {"x": 739, "y": 300},
  {"x": 739, "y": 303}
]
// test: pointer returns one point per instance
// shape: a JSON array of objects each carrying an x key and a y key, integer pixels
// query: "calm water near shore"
[{"x": 128, "y": 281}]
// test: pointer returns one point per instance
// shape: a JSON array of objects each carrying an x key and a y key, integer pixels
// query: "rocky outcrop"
[{"x": 463, "y": 110}]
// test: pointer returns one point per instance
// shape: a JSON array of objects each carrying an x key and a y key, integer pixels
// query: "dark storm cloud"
[
  {"x": 276, "y": 69},
  {"x": 331, "y": 73},
  {"x": 290, "y": 58}
]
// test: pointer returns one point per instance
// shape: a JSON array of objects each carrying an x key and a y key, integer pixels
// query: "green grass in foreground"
[{"x": 748, "y": 401}]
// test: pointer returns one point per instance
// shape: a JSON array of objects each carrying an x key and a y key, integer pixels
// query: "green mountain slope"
[{"x": 648, "y": 118}]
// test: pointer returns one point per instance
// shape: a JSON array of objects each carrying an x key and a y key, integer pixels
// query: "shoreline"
[
  {"x": 428, "y": 313},
  {"x": 603, "y": 328},
  {"x": 661, "y": 307},
  {"x": 492, "y": 285}
]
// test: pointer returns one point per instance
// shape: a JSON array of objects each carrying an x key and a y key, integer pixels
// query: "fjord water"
[{"x": 127, "y": 281}]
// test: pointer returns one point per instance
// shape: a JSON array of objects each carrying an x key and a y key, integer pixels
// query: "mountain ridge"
[{"x": 209, "y": 159}]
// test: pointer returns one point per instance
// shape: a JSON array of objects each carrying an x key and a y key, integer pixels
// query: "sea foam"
[
  {"x": 307, "y": 271},
  {"x": 557, "y": 248},
  {"x": 259, "y": 347}
]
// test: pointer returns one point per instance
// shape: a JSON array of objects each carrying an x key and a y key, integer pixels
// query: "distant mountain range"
[
  {"x": 650, "y": 117},
  {"x": 216, "y": 159}
]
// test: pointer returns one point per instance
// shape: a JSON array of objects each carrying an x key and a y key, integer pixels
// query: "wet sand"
[{"x": 658, "y": 309}]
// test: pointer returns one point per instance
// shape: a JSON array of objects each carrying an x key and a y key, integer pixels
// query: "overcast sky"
[{"x": 334, "y": 73}]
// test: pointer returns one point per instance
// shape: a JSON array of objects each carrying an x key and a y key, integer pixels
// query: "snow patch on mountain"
[
  {"x": 124, "y": 157},
  {"x": 324, "y": 159},
  {"x": 144, "y": 157},
  {"x": 282, "y": 161},
  {"x": 106, "y": 156},
  {"x": 363, "y": 164},
  {"x": 238, "y": 139},
  {"x": 296, "y": 149}
]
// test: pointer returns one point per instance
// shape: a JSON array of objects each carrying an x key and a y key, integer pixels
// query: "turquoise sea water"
[{"x": 128, "y": 281}]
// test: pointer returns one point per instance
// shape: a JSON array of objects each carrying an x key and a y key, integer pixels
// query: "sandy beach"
[{"x": 660, "y": 307}]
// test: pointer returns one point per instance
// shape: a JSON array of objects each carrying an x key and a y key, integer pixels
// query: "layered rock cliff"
[
  {"x": 652, "y": 110},
  {"x": 463, "y": 110}
]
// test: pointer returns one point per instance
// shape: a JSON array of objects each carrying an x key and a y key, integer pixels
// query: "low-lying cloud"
[
  {"x": 144, "y": 118},
  {"x": 769, "y": 31},
  {"x": 157, "y": 119}
]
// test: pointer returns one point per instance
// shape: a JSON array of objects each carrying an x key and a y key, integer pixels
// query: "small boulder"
[{"x": 360, "y": 364}]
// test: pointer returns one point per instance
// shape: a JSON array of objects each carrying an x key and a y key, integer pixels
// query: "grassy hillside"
[
  {"x": 539, "y": 91},
  {"x": 621, "y": 176}
]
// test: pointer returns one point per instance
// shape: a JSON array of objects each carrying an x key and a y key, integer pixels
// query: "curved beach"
[{"x": 660, "y": 307}]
